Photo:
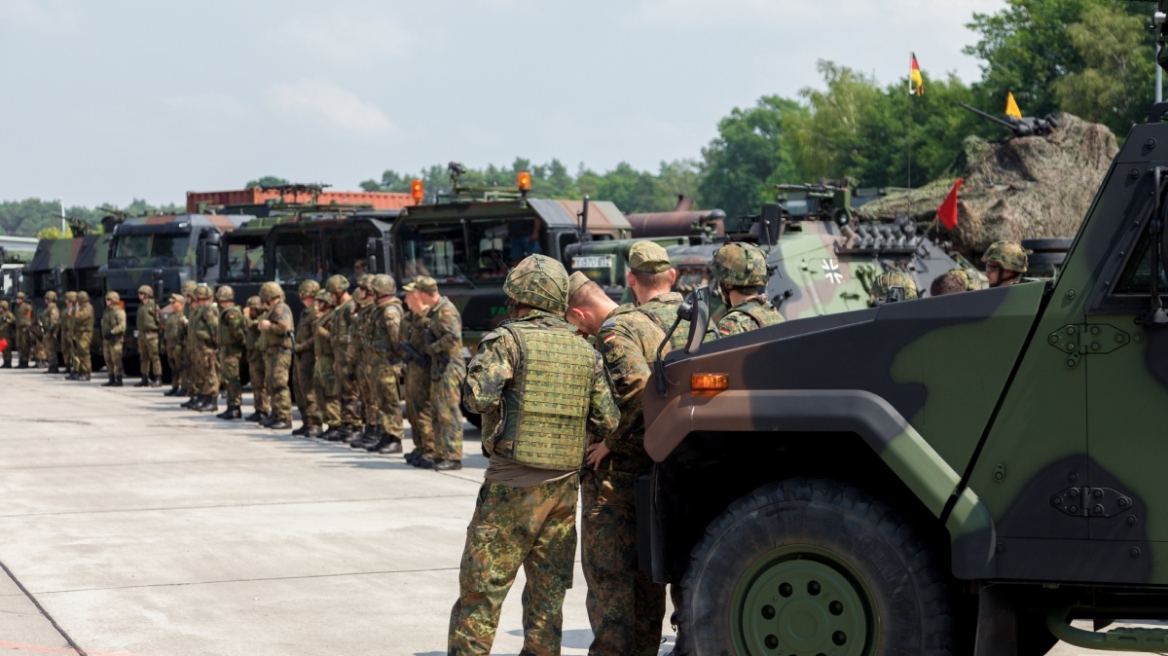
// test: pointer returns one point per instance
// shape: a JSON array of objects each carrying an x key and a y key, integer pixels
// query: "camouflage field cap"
[
  {"x": 1008, "y": 255},
  {"x": 886, "y": 281},
  {"x": 255, "y": 303},
  {"x": 50, "y": 295},
  {"x": 188, "y": 287},
  {"x": 308, "y": 288},
  {"x": 539, "y": 282},
  {"x": 70, "y": 297},
  {"x": 202, "y": 292},
  {"x": 82, "y": 297},
  {"x": 971, "y": 281},
  {"x": 147, "y": 291},
  {"x": 324, "y": 298},
  {"x": 383, "y": 283},
  {"x": 365, "y": 280},
  {"x": 271, "y": 290},
  {"x": 740, "y": 264},
  {"x": 113, "y": 296},
  {"x": 225, "y": 293},
  {"x": 177, "y": 298},
  {"x": 336, "y": 284},
  {"x": 575, "y": 282},
  {"x": 648, "y": 257},
  {"x": 425, "y": 284}
]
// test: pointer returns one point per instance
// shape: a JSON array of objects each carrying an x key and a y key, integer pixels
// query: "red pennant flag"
[{"x": 947, "y": 213}]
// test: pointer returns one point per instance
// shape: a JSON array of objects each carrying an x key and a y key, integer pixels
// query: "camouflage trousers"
[
  {"x": 277, "y": 370},
  {"x": 111, "y": 349},
  {"x": 148, "y": 357},
  {"x": 204, "y": 368},
  {"x": 303, "y": 365},
  {"x": 259, "y": 383},
  {"x": 625, "y": 607},
  {"x": 366, "y": 388},
  {"x": 82, "y": 363},
  {"x": 418, "y": 409},
  {"x": 512, "y": 526},
  {"x": 324, "y": 381},
  {"x": 38, "y": 348},
  {"x": 229, "y": 377},
  {"x": 51, "y": 350},
  {"x": 176, "y": 360},
  {"x": 445, "y": 401},
  {"x": 23, "y": 344},
  {"x": 386, "y": 397},
  {"x": 66, "y": 345},
  {"x": 348, "y": 393}
]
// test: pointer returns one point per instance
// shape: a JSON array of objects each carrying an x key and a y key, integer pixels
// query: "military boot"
[
  {"x": 53, "y": 370},
  {"x": 117, "y": 381},
  {"x": 256, "y": 416},
  {"x": 387, "y": 444},
  {"x": 192, "y": 402},
  {"x": 210, "y": 403},
  {"x": 280, "y": 424},
  {"x": 366, "y": 438},
  {"x": 155, "y": 382},
  {"x": 313, "y": 432},
  {"x": 268, "y": 421},
  {"x": 302, "y": 431},
  {"x": 173, "y": 391},
  {"x": 110, "y": 382},
  {"x": 232, "y": 412},
  {"x": 334, "y": 434},
  {"x": 145, "y": 382},
  {"x": 6, "y": 365},
  {"x": 447, "y": 465},
  {"x": 22, "y": 365},
  {"x": 83, "y": 378}
]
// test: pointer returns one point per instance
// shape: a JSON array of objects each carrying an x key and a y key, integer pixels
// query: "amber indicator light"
[
  {"x": 524, "y": 181},
  {"x": 709, "y": 382},
  {"x": 417, "y": 191}
]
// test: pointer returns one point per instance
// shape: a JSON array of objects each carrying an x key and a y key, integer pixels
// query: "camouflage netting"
[{"x": 1024, "y": 188}]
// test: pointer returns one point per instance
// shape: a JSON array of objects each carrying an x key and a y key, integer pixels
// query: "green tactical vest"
[
  {"x": 546, "y": 408},
  {"x": 379, "y": 341},
  {"x": 763, "y": 314}
]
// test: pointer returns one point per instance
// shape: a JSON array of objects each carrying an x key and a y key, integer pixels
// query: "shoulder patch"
[{"x": 611, "y": 323}]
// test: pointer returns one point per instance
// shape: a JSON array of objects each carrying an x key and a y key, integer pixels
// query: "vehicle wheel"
[{"x": 805, "y": 567}]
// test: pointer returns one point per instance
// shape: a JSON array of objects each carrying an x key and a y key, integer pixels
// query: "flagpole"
[{"x": 912, "y": 60}]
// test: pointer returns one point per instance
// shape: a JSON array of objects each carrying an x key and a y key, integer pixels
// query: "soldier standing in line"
[
  {"x": 555, "y": 392},
  {"x": 417, "y": 380},
  {"x": 1005, "y": 262},
  {"x": 176, "y": 335},
  {"x": 83, "y": 321},
  {"x": 362, "y": 356},
  {"x": 385, "y": 364},
  {"x": 650, "y": 278},
  {"x": 324, "y": 378},
  {"x": 203, "y": 334},
  {"x": 341, "y": 332},
  {"x": 67, "y": 323},
  {"x": 232, "y": 340},
  {"x": 51, "y": 325},
  {"x": 276, "y": 331},
  {"x": 878, "y": 294},
  {"x": 304, "y": 362},
  {"x": 625, "y": 607},
  {"x": 740, "y": 270},
  {"x": 113, "y": 337},
  {"x": 148, "y": 326},
  {"x": 24, "y": 339},
  {"x": 447, "y": 372},
  {"x": 252, "y": 315},
  {"x": 190, "y": 311},
  {"x": 7, "y": 333}
]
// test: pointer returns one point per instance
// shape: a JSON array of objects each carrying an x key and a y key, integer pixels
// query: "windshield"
[
  {"x": 151, "y": 249},
  {"x": 348, "y": 247},
  {"x": 297, "y": 257},
  {"x": 1137, "y": 278},
  {"x": 478, "y": 250},
  {"x": 245, "y": 261}
]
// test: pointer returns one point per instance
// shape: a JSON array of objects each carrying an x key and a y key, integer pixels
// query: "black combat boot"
[
  {"x": 6, "y": 365},
  {"x": 110, "y": 382},
  {"x": 387, "y": 444},
  {"x": 366, "y": 438},
  {"x": 192, "y": 402},
  {"x": 313, "y": 432},
  {"x": 53, "y": 370},
  {"x": 256, "y": 416},
  {"x": 268, "y": 421},
  {"x": 280, "y": 424},
  {"x": 335, "y": 434},
  {"x": 83, "y": 378},
  {"x": 232, "y": 412},
  {"x": 210, "y": 403},
  {"x": 447, "y": 465},
  {"x": 143, "y": 383},
  {"x": 173, "y": 391},
  {"x": 117, "y": 381},
  {"x": 413, "y": 455},
  {"x": 22, "y": 365},
  {"x": 423, "y": 462},
  {"x": 155, "y": 382}
]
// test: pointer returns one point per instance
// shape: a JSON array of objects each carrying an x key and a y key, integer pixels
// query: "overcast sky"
[{"x": 107, "y": 101}]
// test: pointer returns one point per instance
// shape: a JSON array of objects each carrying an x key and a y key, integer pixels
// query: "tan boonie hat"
[
  {"x": 648, "y": 257},
  {"x": 425, "y": 284},
  {"x": 575, "y": 282}
]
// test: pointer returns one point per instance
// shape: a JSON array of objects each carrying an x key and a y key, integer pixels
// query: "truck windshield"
[
  {"x": 245, "y": 261},
  {"x": 478, "y": 250},
  {"x": 347, "y": 245},
  {"x": 151, "y": 249},
  {"x": 297, "y": 257}
]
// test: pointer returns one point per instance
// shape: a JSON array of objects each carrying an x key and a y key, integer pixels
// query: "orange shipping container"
[{"x": 378, "y": 200}]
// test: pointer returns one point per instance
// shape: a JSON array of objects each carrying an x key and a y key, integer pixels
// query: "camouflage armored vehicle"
[
  {"x": 76, "y": 264},
  {"x": 949, "y": 475}
]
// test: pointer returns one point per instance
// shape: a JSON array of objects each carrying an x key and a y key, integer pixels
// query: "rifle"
[{"x": 416, "y": 356}]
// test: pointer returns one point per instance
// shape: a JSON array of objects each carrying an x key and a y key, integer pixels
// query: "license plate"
[{"x": 592, "y": 262}]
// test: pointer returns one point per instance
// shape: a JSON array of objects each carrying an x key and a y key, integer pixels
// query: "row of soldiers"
[{"x": 57, "y": 338}]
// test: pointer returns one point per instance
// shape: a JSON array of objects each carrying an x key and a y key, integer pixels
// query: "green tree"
[{"x": 266, "y": 181}]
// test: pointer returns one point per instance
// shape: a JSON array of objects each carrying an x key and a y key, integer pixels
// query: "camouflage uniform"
[
  {"x": 148, "y": 328},
  {"x": 232, "y": 342},
  {"x": 341, "y": 331},
  {"x": 24, "y": 320},
  {"x": 304, "y": 362},
  {"x": 324, "y": 379},
  {"x": 175, "y": 335},
  {"x": 113, "y": 335},
  {"x": 362, "y": 356},
  {"x": 972, "y": 281},
  {"x": 277, "y": 344},
  {"x": 751, "y": 314},
  {"x": 255, "y": 358},
  {"x": 204, "y": 357},
  {"x": 742, "y": 267},
  {"x": 556, "y": 391},
  {"x": 82, "y": 337},
  {"x": 189, "y": 313},
  {"x": 51, "y": 325},
  {"x": 417, "y": 385},
  {"x": 878, "y": 294},
  {"x": 385, "y": 365},
  {"x": 662, "y": 309},
  {"x": 7, "y": 332},
  {"x": 447, "y": 372},
  {"x": 67, "y": 321},
  {"x": 1010, "y": 256}
]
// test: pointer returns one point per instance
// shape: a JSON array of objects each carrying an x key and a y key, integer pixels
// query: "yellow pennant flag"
[{"x": 1012, "y": 106}]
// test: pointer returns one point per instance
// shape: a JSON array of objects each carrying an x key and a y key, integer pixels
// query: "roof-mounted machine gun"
[
  {"x": 829, "y": 200},
  {"x": 1027, "y": 126}
]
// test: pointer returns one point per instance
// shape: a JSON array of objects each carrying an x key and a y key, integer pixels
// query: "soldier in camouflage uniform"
[
  {"x": 1005, "y": 262},
  {"x": 113, "y": 336},
  {"x": 555, "y": 391},
  {"x": 304, "y": 362},
  {"x": 417, "y": 379},
  {"x": 204, "y": 358},
  {"x": 176, "y": 336},
  {"x": 625, "y": 607},
  {"x": 341, "y": 332},
  {"x": 232, "y": 341},
  {"x": 740, "y": 270},
  {"x": 51, "y": 325},
  {"x": 276, "y": 339},
  {"x": 970, "y": 279},
  {"x": 324, "y": 379},
  {"x": 190, "y": 310},
  {"x": 385, "y": 366},
  {"x": 651, "y": 276},
  {"x": 948, "y": 283},
  {"x": 362, "y": 356},
  {"x": 255, "y": 358},
  {"x": 447, "y": 371},
  {"x": 7, "y": 333},
  {"x": 148, "y": 326},
  {"x": 83, "y": 320},
  {"x": 24, "y": 320},
  {"x": 67, "y": 322},
  {"x": 878, "y": 294}
]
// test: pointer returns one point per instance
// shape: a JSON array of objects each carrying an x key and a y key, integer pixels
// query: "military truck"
[
  {"x": 15, "y": 252},
  {"x": 959, "y": 474},
  {"x": 74, "y": 264}
]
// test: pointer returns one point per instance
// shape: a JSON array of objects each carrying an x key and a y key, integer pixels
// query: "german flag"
[{"x": 916, "y": 83}]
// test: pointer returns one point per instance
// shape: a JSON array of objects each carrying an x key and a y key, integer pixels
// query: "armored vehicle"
[
  {"x": 959, "y": 474},
  {"x": 76, "y": 264}
]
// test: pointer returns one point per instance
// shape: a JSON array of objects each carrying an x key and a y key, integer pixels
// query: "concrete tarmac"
[{"x": 132, "y": 527}]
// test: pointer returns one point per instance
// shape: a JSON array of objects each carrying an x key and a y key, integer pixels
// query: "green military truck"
[
  {"x": 951, "y": 475},
  {"x": 73, "y": 264},
  {"x": 15, "y": 253}
]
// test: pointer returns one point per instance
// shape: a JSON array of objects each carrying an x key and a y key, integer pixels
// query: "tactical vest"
[
  {"x": 664, "y": 313},
  {"x": 379, "y": 341},
  {"x": 763, "y": 314},
  {"x": 546, "y": 407}
]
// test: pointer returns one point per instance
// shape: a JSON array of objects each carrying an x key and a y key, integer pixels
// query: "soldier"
[
  {"x": 447, "y": 372},
  {"x": 255, "y": 359},
  {"x": 24, "y": 319},
  {"x": 276, "y": 340},
  {"x": 947, "y": 283},
  {"x": 878, "y": 294},
  {"x": 190, "y": 311},
  {"x": 113, "y": 337},
  {"x": 7, "y": 333},
  {"x": 324, "y": 379},
  {"x": 417, "y": 381},
  {"x": 148, "y": 326},
  {"x": 625, "y": 607},
  {"x": 304, "y": 362},
  {"x": 203, "y": 338},
  {"x": 650, "y": 278},
  {"x": 232, "y": 341},
  {"x": 555, "y": 391},
  {"x": 67, "y": 322},
  {"x": 971, "y": 279},
  {"x": 82, "y": 338},
  {"x": 341, "y": 332},
  {"x": 51, "y": 325},
  {"x": 740, "y": 269},
  {"x": 1005, "y": 262},
  {"x": 385, "y": 365},
  {"x": 176, "y": 335},
  {"x": 362, "y": 356}
]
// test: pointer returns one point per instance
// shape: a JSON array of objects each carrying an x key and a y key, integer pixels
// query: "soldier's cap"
[
  {"x": 188, "y": 287},
  {"x": 424, "y": 284},
  {"x": 202, "y": 292},
  {"x": 112, "y": 296},
  {"x": 255, "y": 302},
  {"x": 324, "y": 297},
  {"x": 575, "y": 282},
  {"x": 146, "y": 290},
  {"x": 177, "y": 298},
  {"x": 82, "y": 297},
  {"x": 71, "y": 297},
  {"x": 648, "y": 257},
  {"x": 50, "y": 295},
  {"x": 20, "y": 295}
]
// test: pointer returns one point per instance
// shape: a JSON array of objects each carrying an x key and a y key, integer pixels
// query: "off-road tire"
[{"x": 906, "y": 595}]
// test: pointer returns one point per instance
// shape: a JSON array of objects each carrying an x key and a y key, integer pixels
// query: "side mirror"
[
  {"x": 696, "y": 310},
  {"x": 156, "y": 283},
  {"x": 210, "y": 256}
]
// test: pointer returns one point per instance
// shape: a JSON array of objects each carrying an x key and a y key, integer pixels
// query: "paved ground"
[{"x": 142, "y": 529}]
